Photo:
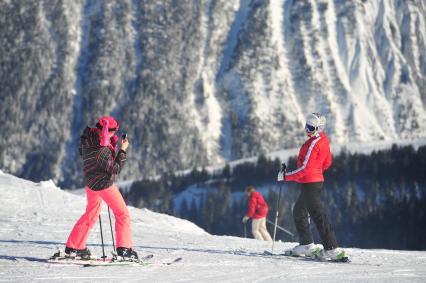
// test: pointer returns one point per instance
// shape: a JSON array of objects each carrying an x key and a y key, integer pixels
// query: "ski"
[
  {"x": 307, "y": 258},
  {"x": 140, "y": 262},
  {"x": 118, "y": 261},
  {"x": 91, "y": 262},
  {"x": 169, "y": 262},
  {"x": 61, "y": 258}
]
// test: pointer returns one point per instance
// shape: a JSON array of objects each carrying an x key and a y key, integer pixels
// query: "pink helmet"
[{"x": 107, "y": 124}]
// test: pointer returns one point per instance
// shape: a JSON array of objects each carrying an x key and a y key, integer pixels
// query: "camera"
[{"x": 124, "y": 136}]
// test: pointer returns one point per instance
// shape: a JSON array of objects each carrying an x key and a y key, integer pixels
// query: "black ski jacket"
[{"x": 100, "y": 165}]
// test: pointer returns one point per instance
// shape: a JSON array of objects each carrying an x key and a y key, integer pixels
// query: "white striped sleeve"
[{"x": 305, "y": 161}]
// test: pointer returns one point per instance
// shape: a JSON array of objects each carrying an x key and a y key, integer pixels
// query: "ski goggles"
[
  {"x": 310, "y": 128},
  {"x": 109, "y": 129}
]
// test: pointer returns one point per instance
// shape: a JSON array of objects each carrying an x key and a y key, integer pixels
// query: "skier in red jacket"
[
  {"x": 258, "y": 210},
  {"x": 314, "y": 158}
]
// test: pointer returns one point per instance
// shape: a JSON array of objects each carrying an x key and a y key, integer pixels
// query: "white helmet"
[{"x": 315, "y": 123}]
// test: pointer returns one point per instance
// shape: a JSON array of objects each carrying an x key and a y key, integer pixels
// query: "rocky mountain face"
[{"x": 202, "y": 82}]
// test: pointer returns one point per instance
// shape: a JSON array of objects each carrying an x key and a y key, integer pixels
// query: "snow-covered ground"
[{"x": 35, "y": 219}]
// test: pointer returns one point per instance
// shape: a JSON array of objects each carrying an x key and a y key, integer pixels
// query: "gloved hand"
[
  {"x": 245, "y": 219},
  {"x": 281, "y": 174}
]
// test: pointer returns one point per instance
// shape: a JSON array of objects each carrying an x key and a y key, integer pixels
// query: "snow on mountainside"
[
  {"x": 200, "y": 83},
  {"x": 35, "y": 218}
]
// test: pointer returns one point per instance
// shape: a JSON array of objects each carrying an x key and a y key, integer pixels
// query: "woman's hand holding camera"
[{"x": 124, "y": 142}]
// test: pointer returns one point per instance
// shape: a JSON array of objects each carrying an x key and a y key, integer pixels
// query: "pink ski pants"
[{"x": 113, "y": 198}]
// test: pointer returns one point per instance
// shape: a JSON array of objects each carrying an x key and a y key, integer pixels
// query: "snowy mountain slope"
[
  {"x": 36, "y": 218},
  {"x": 200, "y": 83}
]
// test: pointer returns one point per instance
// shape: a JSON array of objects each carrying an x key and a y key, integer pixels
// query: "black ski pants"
[{"x": 309, "y": 204}]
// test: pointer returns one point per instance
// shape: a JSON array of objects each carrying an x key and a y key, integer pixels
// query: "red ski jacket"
[
  {"x": 257, "y": 207},
  {"x": 314, "y": 158}
]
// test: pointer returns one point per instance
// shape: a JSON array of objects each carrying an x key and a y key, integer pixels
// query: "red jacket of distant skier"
[
  {"x": 257, "y": 207},
  {"x": 314, "y": 158}
]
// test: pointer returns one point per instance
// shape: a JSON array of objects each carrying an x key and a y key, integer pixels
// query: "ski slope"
[{"x": 35, "y": 219}]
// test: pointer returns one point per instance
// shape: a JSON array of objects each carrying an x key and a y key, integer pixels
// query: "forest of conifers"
[{"x": 374, "y": 201}]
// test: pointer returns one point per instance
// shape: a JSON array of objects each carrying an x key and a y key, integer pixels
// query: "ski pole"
[
  {"x": 245, "y": 230},
  {"x": 102, "y": 239},
  {"x": 279, "y": 227},
  {"x": 283, "y": 167},
  {"x": 112, "y": 233},
  {"x": 276, "y": 219}
]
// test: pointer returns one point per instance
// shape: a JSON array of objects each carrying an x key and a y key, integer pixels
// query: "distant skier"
[
  {"x": 314, "y": 158},
  {"x": 101, "y": 163},
  {"x": 258, "y": 210}
]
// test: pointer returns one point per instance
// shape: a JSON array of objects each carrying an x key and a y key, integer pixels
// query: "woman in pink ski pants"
[{"x": 101, "y": 163}]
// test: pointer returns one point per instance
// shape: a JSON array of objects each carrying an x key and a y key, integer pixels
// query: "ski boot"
[
  {"x": 83, "y": 254},
  {"x": 304, "y": 250},
  {"x": 336, "y": 254},
  {"x": 127, "y": 254}
]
